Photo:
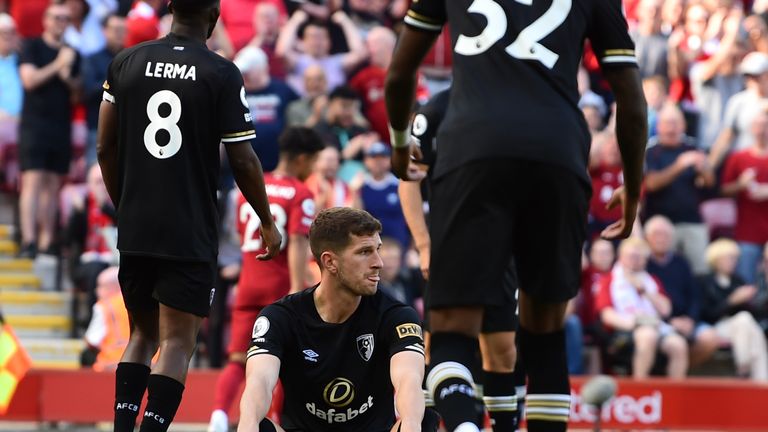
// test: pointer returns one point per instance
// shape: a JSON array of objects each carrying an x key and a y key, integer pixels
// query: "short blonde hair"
[
  {"x": 720, "y": 248},
  {"x": 635, "y": 243}
]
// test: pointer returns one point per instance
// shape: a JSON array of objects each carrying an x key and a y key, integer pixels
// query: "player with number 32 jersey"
[{"x": 514, "y": 92}]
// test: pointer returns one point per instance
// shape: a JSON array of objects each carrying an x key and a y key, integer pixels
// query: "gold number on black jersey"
[{"x": 526, "y": 46}]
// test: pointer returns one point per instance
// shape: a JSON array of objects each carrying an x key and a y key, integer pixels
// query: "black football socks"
[
  {"x": 163, "y": 399},
  {"x": 450, "y": 381},
  {"x": 548, "y": 400},
  {"x": 130, "y": 384},
  {"x": 500, "y": 400}
]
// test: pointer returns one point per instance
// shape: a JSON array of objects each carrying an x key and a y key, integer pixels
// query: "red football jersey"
[
  {"x": 369, "y": 84},
  {"x": 751, "y": 220},
  {"x": 293, "y": 207},
  {"x": 605, "y": 180}
]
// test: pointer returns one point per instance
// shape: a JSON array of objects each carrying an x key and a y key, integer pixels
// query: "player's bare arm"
[
  {"x": 298, "y": 255},
  {"x": 400, "y": 90},
  {"x": 261, "y": 374},
  {"x": 106, "y": 147},
  {"x": 406, "y": 369},
  {"x": 632, "y": 135},
  {"x": 413, "y": 209},
  {"x": 249, "y": 176}
]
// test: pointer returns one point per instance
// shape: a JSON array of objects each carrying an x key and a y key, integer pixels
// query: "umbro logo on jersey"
[{"x": 310, "y": 355}]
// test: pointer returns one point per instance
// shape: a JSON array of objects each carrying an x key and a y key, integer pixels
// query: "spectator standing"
[
  {"x": 727, "y": 305},
  {"x": 686, "y": 46},
  {"x": 676, "y": 171},
  {"x": 95, "y": 73},
  {"x": 716, "y": 79},
  {"x": 11, "y": 91},
  {"x": 379, "y": 194},
  {"x": 266, "y": 24},
  {"x": 634, "y": 305},
  {"x": 675, "y": 275},
  {"x": 49, "y": 72},
  {"x": 650, "y": 42},
  {"x": 745, "y": 177},
  {"x": 742, "y": 108},
  {"x": 237, "y": 17},
  {"x": 267, "y": 99},
  {"x": 316, "y": 48},
  {"x": 369, "y": 82}
]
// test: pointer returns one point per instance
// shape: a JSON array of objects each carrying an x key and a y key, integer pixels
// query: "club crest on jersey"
[
  {"x": 260, "y": 327},
  {"x": 365, "y": 346}
]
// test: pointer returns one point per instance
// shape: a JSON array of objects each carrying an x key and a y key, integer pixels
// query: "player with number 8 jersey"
[
  {"x": 168, "y": 133},
  {"x": 168, "y": 105}
]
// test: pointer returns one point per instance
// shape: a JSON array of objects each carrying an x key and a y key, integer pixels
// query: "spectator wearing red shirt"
[
  {"x": 686, "y": 45},
  {"x": 745, "y": 177},
  {"x": 598, "y": 266},
  {"x": 607, "y": 175},
  {"x": 238, "y": 18},
  {"x": 266, "y": 25},
  {"x": 369, "y": 82},
  {"x": 634, "y": 305}
]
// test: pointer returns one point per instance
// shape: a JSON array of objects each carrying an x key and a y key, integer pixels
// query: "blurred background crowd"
[{"x": 688, "y": 293}]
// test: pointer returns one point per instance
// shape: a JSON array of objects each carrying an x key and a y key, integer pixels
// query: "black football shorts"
[
  {"x": 187, "y": 286},
  {"x": 491, "y": 211},
  {"x": 496, "y": 318}
]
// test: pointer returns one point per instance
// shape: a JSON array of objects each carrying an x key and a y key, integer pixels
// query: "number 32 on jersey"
[
  {"x": 251, "y": 234},
  {"x": 527, "y": 45}
]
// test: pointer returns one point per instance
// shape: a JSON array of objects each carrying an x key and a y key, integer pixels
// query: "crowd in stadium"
[{"x": 699, "y": 253}]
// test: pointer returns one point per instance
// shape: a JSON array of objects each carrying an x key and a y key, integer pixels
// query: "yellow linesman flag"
[{"x": 14, "y": 364}]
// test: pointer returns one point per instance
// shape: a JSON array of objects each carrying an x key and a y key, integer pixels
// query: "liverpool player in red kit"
[{"x": 264, "y": 282}]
